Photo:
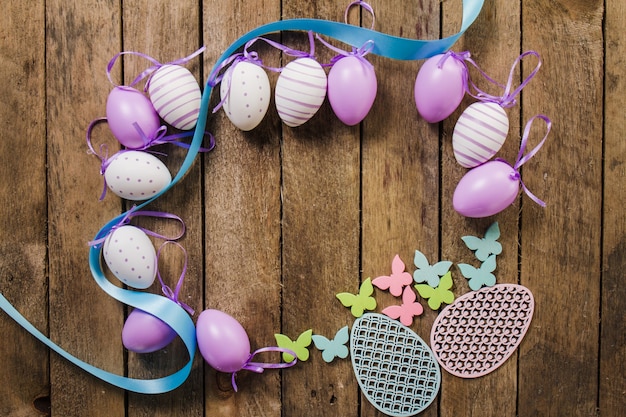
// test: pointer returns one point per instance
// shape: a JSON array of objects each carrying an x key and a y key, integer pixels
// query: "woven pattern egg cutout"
[
  {"x": 479, "y": 133},
  {"x": 479, "y": 331},
  {"x": 175, "y": 94},
  {"x": 394, "y": 367},
  {"x": 300, "y": 91}
]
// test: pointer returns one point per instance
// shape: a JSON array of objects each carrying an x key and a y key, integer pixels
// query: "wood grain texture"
[{"x": 281, "y": 219}]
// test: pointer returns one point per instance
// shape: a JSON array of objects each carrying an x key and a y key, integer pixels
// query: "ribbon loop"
[
  {"x": 364, "y": 5},
  {"x": 259, "y": 367},
  {"x": 167, "y": 291}
]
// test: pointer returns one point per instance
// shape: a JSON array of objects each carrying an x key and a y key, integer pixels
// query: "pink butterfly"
[
  {"x": 407, "y": 310},
  {"x": 397, "y": 280}
]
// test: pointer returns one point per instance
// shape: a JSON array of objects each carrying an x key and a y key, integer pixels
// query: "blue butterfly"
[
  {"x": 429, "y": 273},
  {"x": 486, "y": 246},
  {"x": 335, "y": 348},
  {"x": 479, "y": 277}
]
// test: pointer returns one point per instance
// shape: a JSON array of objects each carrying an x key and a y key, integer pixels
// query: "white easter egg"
[
  {"x": 130, "y": 255},
  {"x": 394, "y": 367},
  {"x": 479, "y": 133},
  {"x": 480, "y": 330},
  {"x": 300, "y": 91},
  {"x": 175, "y": 94},
  {"x": 245, "y": 92},
  {"x": 136, "y": 175}
]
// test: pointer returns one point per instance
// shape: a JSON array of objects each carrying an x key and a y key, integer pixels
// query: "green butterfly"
[
  {"x": 299, "y": 347},
  {"x": 360, "y": 302},
  {"x": 439, "y": 295}
]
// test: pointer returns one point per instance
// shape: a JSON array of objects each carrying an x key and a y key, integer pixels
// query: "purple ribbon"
[
  {"x": 130, "y": 214},
  {"x": 167, "y": 291},
  {"x": 508, "y": 98},
  {"x": 359, "y": 52},
  {"x": 159, "y": 137},
  {"x": 522, "y": 159},
  {"x": 364, "y": 5},
  {"x": 259, "y": 367},
  {"x": 153, "y": 68}
]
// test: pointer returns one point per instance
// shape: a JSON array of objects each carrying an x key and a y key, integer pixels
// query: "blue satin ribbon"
[{"x": 171, "y": 313}]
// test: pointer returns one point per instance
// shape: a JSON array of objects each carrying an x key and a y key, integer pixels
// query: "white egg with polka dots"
[
  {"x": 136, "y": 175},
  {"x": 129, "y": 253},
  {"x": 245, "y": 94}
]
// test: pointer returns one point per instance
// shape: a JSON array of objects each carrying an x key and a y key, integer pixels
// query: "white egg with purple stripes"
[
  {"x": 479, "y": 133},
  {"x": 175, "y": 94},
  {"x": 300, "y": 91}
]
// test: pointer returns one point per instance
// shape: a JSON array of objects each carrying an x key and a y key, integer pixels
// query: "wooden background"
[{"x": 279, "y": 220}]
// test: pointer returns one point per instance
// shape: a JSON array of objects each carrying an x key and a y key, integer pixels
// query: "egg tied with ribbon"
[{"x": 131, "y": 116}]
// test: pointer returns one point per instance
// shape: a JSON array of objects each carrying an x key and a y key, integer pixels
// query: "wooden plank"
[
  {"x": 320, "y": 240},
  {"x": 81, "y": 38},
  {"x": 168, "y": 33},
  {"x": 493, "y": 42},
  {"x": 23, "y": 252},
  {"x": 242, "y": 217},
  {"x": 612, "y": 401},
  {"x": 560, "y": 253},
  {"x": 400, "y": 174}
]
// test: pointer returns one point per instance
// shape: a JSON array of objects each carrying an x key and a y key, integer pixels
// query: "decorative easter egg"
[
  {"x": 439, "y": 87},
  {"x": 136, "y": 175},
  {"x": 479, "y": 331},
  {"x": 245, "y": 92},
  {"x": 222, "y": 340},
  {"x": 486, "y": 190},
  {"x": 130, "y": 255},
  {"x": 145, "y": 333},
  {"x": 479, "y": 133},
  {"x": 175, "y": 94},
  {"x": 395, "y": 368},
  {"x": 300, "y": 91},
  {"x": 352, "y": 87},
  {"x": 126, "y": 107}
]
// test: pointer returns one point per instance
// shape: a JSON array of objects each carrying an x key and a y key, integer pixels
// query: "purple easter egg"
[
  {"x": 486, "y": 190},
  {"x": 439, "y": 87},
  {"x": 144, "y": 333},
  {"x": 222, "y": 340},
  {"x": 125, "y": 107},
  {"x": 352, "y": 89}
]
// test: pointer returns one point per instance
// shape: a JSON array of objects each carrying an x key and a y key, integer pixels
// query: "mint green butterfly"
[
  {"x": 299, "y": 347},
  {"x": 360, "y": 302},
  {"x": 479, "y": 277},
  {"x": 486, "y": 246},
  {"x": 439, "y": 295},
  {"x": 429, "y": 273},
  {"x": 335, "y": 348}
]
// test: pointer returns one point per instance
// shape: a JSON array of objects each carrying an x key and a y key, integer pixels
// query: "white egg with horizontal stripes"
[
  {"x": 479, "y": 133},
  {"x": 300, "y": 91},
  {"x": 175, "y": 94}
]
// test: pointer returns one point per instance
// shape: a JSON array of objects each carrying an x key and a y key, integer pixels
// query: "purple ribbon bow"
[{"x": 259, "y": 367}]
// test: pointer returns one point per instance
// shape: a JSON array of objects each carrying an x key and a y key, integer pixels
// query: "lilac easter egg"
[
  {"x": 144, "y": 333},
  {"x": 125, "y": 107},
  {"x": 352, "y": 89},
  {"x": 222, "y": 341},
  {"x": 176, "y": 96},
  {"x": 439, "y": 87},
  {"x": 479, "y": 133},
  {"x": 486, "y": 190},
  {"x": 300, "y": 91}
]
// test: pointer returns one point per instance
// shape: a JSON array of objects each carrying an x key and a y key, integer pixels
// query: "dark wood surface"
[{"x": 279, "y": 220}]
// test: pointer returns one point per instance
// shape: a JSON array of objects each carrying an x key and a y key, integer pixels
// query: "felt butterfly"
[
  {"x": 407, "y": 310},
  {"x": 299, "y": 347},
  {"x": 486, "y": 246},
  {"x": 335, "y": 348},
  {"x": 397, "y": 280},
  {"x": 360, "y": 302},
  {"x": 479, "y": 277},
  {"x": 429, "y": 273},
  {"x": 440, "y": 294}
]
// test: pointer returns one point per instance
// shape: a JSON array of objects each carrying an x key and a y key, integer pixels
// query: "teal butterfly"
[
  {"x": 486, "y": 246},
  {"x": 335, "y": 348},
  {"x": 299, "y": 346},
  {"x": 429, "y": 273},
  {"x": 360, "y": 302},
  {"x": 479, "y": 277},
  {"x": 439, "y": 295}
]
